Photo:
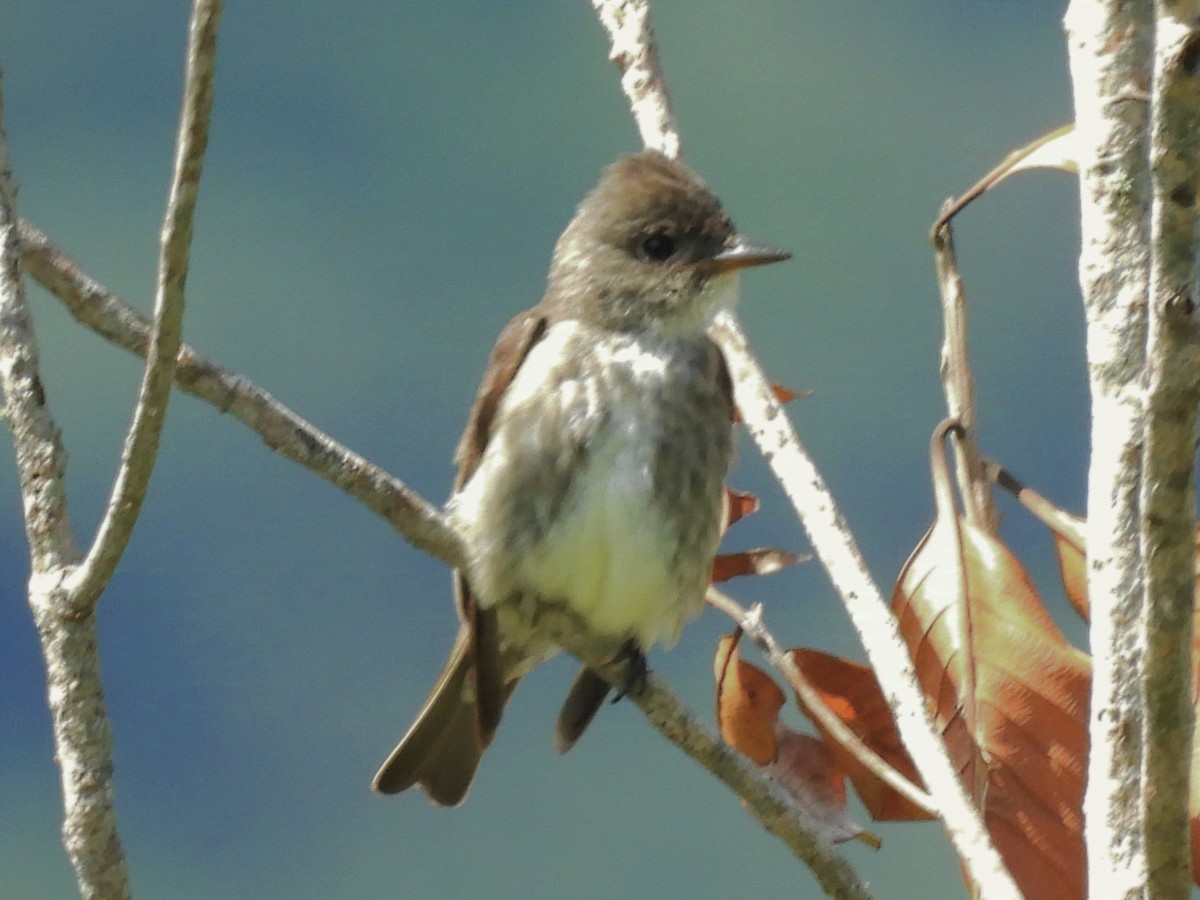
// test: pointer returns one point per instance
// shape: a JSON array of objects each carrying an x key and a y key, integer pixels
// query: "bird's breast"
[{"x": 601, "y": 484}]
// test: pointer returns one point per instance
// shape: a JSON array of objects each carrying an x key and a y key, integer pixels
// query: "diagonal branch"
[
  {"x": 635, "y": 54},
  {"x": 141, "y": 443},
  {"x": 281, "y": 429},
  {"x": 872, "y": 618}
]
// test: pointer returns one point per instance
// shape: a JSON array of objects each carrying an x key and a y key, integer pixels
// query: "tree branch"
[
  {"x": 281, "y": 429},
  {"x": 1110, "y": 44},
  {"x": 141, "y": 443},
  {"x": 635, "y": 54},
  {"x": 1168, "y": 489},
  {"x": 75, "y": 696},
  {"x": 959, "y": 385}
]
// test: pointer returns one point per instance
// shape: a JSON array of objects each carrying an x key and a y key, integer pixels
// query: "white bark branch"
[
  {"x": 1110, "y": 45},
  {"x": 141, "y": 443},
  {"x": 635, "y": 54}
]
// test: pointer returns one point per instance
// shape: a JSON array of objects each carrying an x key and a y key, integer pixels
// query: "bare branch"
[
  {"x": 959, "y": 385},
  {"x": 37, "y": 442},
  {"x": 870, "y": 614},
  {"x": 1110, "y": 44},
  {"x": 141, "y": 443},
  {"x": 1168, "y": 489},
  {"x": 751, "y": 622},
  {"x": 82, "y": 740},
  {"x": 285, "y": 432},
  {"x": 633, "y": 50}
]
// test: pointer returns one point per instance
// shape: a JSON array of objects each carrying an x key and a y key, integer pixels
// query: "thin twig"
[
  {"x": 872, "y": 618},
  {"x": 751, "y": 622},
  {"x": 141, "y": 443},
  {"x": 75, "y": 696},
  {"x": 959, "y": 386}
]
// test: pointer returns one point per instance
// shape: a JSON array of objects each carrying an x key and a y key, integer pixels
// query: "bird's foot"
[{"x": 636, "y": 670}]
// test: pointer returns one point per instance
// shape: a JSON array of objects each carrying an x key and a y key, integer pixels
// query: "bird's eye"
[{"x": 658, "y": 247}]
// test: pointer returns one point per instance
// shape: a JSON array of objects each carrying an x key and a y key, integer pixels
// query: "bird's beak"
[{"x": 742, "y": 252}]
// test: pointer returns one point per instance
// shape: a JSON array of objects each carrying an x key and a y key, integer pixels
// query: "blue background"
[{"x": 383, "y": 187}]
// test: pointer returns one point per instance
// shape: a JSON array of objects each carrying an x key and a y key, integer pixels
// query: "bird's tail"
[{"x": 441, "y": 750}]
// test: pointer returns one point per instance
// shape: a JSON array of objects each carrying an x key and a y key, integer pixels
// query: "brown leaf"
[
  {"x": 808, "y": 771},
  {"x": 748, "y": 703},
  {"x": 739, "y": 504},
  {"x": 1009, "y": 693},
  {"x": 852, "y": 691},
  {"x": 761, "y": 561}
]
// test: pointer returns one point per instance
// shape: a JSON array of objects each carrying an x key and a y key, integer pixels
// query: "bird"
[{"x": 591, "y": 470}]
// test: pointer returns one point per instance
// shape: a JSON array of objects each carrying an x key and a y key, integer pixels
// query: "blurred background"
[{"x": 382, "y": 191}]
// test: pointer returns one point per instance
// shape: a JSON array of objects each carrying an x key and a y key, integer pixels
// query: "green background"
[{"x": 383, "y": 187}]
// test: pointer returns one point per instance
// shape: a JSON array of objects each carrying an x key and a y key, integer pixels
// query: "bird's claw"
[{"x": 636, "y": 670}]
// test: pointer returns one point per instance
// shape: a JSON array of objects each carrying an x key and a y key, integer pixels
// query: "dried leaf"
[
  {"x": 1009, "y": 693},
  {"x": 852, "y": 692},
  {"x": 761, "y": 561},
  {"x": 738, "y": 505},
  {"x": 807, "y": 770},
  {"x": 748, "y": 703}
]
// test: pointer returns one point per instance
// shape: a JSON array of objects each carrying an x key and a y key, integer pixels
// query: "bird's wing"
[{"x": 512, "y": 347}]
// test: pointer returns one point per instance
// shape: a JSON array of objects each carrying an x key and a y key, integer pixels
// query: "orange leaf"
[
  {"x": 748, "y": 703},
  {"x": 1009, "y": 693},
  {"x": 853, "y": 693},
  {"x": 739, "y": 504},
  {"x": 762, "y": 561}
]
